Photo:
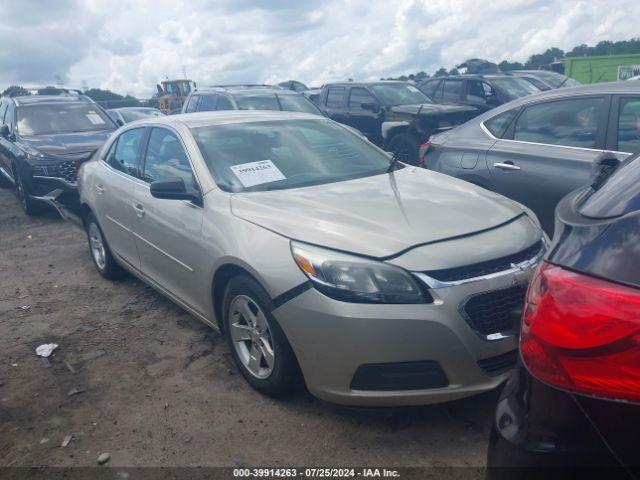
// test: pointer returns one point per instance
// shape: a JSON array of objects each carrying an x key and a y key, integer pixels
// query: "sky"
[{"x": 129, "y": 46}]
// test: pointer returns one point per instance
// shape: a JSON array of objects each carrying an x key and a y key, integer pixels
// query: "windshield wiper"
[{"x": 394, "y": 161}]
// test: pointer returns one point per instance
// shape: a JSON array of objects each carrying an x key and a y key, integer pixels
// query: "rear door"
[
  {"x": 365, "y": 120},
  {"x": 168, "y": 232},
  {"x": 548, "y": 152},
  {"x": 114, "y": 193},
  {"x": 335, "y": 103}
]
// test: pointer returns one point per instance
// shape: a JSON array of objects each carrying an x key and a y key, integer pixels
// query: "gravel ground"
[{"x": 136, "y": 376}]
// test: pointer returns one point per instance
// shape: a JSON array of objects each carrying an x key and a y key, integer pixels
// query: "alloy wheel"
[
  {"x": 251, "y": 335},
  {"x": 97, "y": 246}
]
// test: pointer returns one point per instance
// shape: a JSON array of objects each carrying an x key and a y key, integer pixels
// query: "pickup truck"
[{"x": 394, "y": 115}]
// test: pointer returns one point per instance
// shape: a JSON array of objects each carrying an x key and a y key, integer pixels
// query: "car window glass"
[
  {"x": 3, "y": 109},
  {"x": 475, "y": 92},
  {"x": 166, "y": 158},
  {"x": 452, "y": 89},
  {"x": 335, "y": 97},
  {"x": 9, "y": 116},
  {"x": 629, "y": 125},
  {"x": 224, "y": 103},
  {"x": 297, "y": 103},
  {"x": 257, "y": 102},
  {"x": 289, "y": 154},
  {"x": 63, "y": 117},
  {"x": 430, "y": 88},
  {"x": 125, "y": 155},
  {"x": 192, "y": 104},
  {"x": 207, "y": 103},
  {"x": 567, "y": 122},
  {"x": 358, "y": 96},
  {"x": 499, "y": 124}
]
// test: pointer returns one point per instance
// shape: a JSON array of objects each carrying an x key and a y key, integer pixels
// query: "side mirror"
[
  {"x": 174, "y": 189},
  {"x": 602, "y": 168},
  {"x": 372, "y": 106},
  {"x": 4, "y": 131}
]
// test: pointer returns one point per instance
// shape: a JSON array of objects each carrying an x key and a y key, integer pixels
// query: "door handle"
[
  {"x": 139, "y": 210},
  {"x": 508, "y": 165},
  {"x": 99, "y": 189}
]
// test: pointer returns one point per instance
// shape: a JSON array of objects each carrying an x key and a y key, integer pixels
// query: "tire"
[
  {"x": 406, "y": 146},
  {"x": 100, "y": 251},
  {"x": 253, "y": 333},
  {"x": 29, "y": 206}
]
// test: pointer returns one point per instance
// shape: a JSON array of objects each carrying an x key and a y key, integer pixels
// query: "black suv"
[
  {"x": 396, "y": 116},
  {"x": 43, "y": 140},
  {"x": 481, "y": 91},
  {"x": 574, "y": 398},
  {"x": 248, "y": 97}
]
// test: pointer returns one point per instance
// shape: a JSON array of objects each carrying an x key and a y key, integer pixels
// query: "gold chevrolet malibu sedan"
[{"x": 316, "y": 253}]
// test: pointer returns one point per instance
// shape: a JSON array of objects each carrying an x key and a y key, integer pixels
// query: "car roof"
[
  {"x": 50, "y": 99},
  {"x": 223, "y": 117},
  {"x": 362, "y": 84},
  {"x": 121, "y": 109},
  {"x": 538, "y": 72},
  {"x": 244, "y": 89}
]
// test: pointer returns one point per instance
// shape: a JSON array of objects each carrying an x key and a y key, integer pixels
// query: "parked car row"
[{"x": 324, "y": 258}]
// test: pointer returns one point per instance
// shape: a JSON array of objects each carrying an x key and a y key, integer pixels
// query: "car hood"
[
  {"x": 430, "y": 109},
  {"x": 378, "y": 216},
  {"x": 61, "y": 144}
]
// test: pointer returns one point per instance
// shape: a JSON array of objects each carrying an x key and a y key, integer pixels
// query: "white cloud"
[{"x": 130, "y": 46}]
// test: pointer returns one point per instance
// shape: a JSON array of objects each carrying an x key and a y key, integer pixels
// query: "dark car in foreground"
[
  {"x": 483, "y": 92},
  {"x": 43, "y": 140},
  {"x": 393, "y": 115},
  {"x": 248, "y": 97},
  {"x": 539, "y": 148},
  {"x": 574, "y": 400},
  {"x": 130, "y": 114}
]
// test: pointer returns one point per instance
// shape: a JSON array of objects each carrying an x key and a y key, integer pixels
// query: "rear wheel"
[
  {"x": 258, "y": 344},
  {"x": 406, "y": 147},
  {"x": 100, "y": 251}
]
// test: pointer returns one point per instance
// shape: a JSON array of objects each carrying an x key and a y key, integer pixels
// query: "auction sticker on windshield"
[
  {"x": 257, "y": 173},
  {"x": 94, "y": 118}
]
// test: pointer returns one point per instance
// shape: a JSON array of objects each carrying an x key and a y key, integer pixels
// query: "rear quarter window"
[{"x": 498, "y": 125}]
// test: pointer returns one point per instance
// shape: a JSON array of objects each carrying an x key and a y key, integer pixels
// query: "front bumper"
[
  {"x": 333, "y": 339},
  {"x": 58, "y": 192}
]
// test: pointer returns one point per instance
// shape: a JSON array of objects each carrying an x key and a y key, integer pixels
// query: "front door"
[
  {"x": 168, "y": 232},
  {"x": 364, "y": 119},
  {"x": 550, "y": 152},
  {"x": 115, "y": 187}
]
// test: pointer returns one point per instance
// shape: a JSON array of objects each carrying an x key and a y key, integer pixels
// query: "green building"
[{"x": 609, "y": 68}]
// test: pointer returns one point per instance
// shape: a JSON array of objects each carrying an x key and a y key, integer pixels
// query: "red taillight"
[
  {"x": 582, "y": 334},
  {"x": 424, "y": 149}
]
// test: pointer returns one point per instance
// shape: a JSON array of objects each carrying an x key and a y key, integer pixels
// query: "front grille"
[
  {"x": 496, "y": 311},
  {"x": 494, "y": 366},
  {"x": 486, "y": 268},
  {"x": 67, "y": 170}
]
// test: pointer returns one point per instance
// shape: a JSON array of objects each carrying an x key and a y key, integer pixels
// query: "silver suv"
[{"x": 381, "y": 283}]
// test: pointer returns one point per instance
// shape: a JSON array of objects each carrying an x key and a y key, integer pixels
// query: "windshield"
[
  {"x": 285, "y": 154},
  {"x": 137, "y": 114},
  {"x": 556, "y": 80},
  {"x": 290, "y": 103},
  {"x": 62, "y": 118},
  {"x": 539, "y": 84},
  {"x": 399, "y": 94},
  {"x": 513, "y": 87}
]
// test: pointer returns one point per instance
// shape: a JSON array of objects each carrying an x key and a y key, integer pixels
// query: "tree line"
[{"x": 550, "y": 55}]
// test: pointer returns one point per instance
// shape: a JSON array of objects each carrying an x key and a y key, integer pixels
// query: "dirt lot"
[{"x": 159, "y": 388}]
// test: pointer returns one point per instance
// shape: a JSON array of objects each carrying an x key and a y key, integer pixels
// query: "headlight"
[{"x": 353, "y": 279}]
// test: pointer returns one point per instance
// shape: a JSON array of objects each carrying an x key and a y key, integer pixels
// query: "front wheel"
[
  {"x": 258, "y": 345},
  {"x": 406, "y": 147},
  {"x": 28, "y": 204},
  {"x": 100, "y": 251}
]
